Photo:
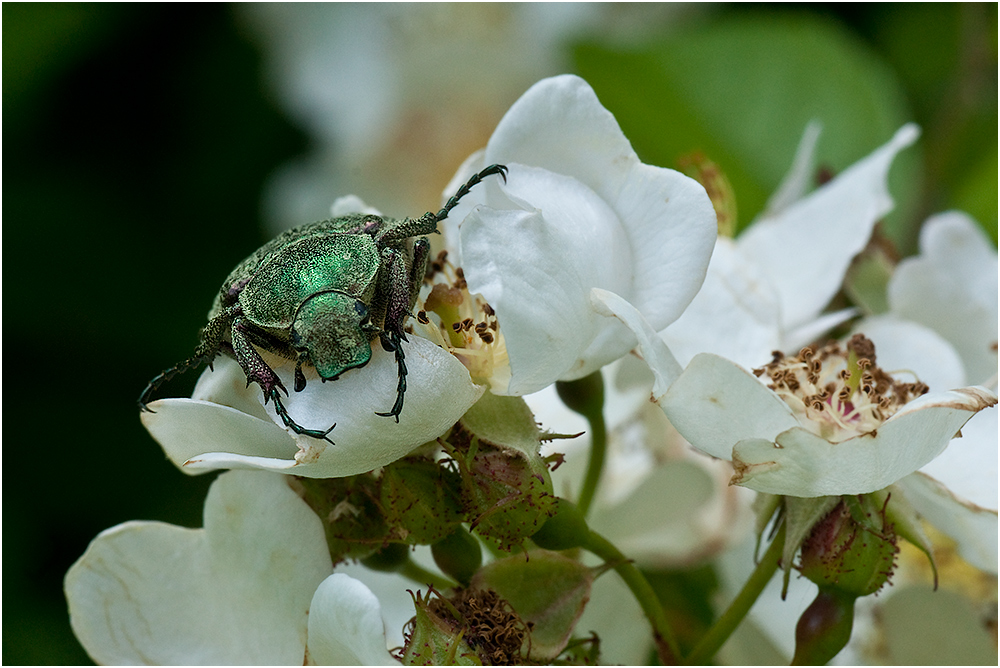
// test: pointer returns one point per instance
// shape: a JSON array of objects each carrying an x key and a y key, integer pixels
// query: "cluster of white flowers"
[{"x": 583, "y": 255}]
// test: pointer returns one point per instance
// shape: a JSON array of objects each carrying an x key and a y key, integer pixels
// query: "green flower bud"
[
  {"x": 584, "y": 395},
  {"x": 421, "y": 500},
  {"x": 353, "y": 521},
  {"x": 824, "y": 628},
  {"x": 506, "y": 487},
  {"x": 458, "y": 555},
  {"x": 851, "y": 550},
  {"x": 388, "y": 559},
  {"x": 564, "y": 530}
]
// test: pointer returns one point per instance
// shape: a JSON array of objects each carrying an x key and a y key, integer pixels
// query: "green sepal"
[
  {"x": 435, "y": 640},
  {"x": 548, "y": 591},
  {"x": 907, "y": 525},
  {"x": 389, "y": 559},
  {"x": 852, "y": 550},
  {"x": 421, "y": 500},
  {"x": 801, "y": 515}
]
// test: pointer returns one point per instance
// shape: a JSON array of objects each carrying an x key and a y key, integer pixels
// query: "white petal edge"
[
  {"x": 184, "y": 428},
  {"x": 345, "y": 625},
  {"x": 800, "y": 175},
  {"x": 972, "y": 527},
  {"x": 806, "y": 249},
  {"x": 654, "y": 350},
  {"x": 951, "y": 287},
  {"x": 715, "y": 403},
  {"x": 236, "y": 592},
  {"x": 201, "y": 436},
  {"x": 800, "y": 463}
]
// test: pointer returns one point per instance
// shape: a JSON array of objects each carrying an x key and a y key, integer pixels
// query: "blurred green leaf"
[
  {"x": 742, "y": 91},
  {"x": 977, "y": 194}
]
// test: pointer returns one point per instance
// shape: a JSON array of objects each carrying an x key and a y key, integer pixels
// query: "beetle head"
[{"x": 335, "y": 331}]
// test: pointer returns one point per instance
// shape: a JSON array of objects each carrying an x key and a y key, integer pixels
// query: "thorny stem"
[
  {"x": 737, "y": 610},
  {"x": 666, "y": 644},
  {"x": 414, "y": 571}
]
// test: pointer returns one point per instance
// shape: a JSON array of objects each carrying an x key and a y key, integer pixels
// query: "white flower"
[
  {"x": 766, "y": 289},
  {"x": 225, "y": 425},
  {"x": 579, "y": 211},
  {"x": 942, "y": 324},
  {"x": 254, "y": 586},
  {"x": 814, "y": 432}
]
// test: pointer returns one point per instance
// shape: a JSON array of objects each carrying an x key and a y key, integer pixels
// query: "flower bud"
[
  {"x": 564, "y": 530},
  {"x": 824, "y": 628},
  {"x": 421, "y": 500},
  {"x": 852, "y": 549},
  {"x": 458, "y": 555}
]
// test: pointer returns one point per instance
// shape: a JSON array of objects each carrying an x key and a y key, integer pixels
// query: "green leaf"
[{"x": 742, "y": 90}]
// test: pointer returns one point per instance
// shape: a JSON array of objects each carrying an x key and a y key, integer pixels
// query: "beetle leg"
[
  {"x": 257, "y": 371},
  {"x": 418, "y": 268},
  {"x": 391, "y": 343},
  {"x": 208, "y": 348},
  {"x": 427, "y": 223},
  {"x": 395, "y": 289}
]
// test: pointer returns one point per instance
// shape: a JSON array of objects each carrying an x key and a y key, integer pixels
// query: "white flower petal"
[
  {"x": 656, "y": 353},
  {"x": 236, "y": 592},
  {"x": 536, "y": 268},
  {"x": 972, "y": 527},
  {"x": 736, "y": 314},
  {"x": 579, "y": 211},
  {"x": 800, "y": 175},
  {"x": 969, "y": 466},
  {"x": 952, "y": 288},
  {"x": 714, "y": 404},
  {"x": 439, "y": 391},
  {"x": 559, "y": 125},
  {"x": 822, "y": 233},
  {"x": 800, "y": 463},
  {"x": 225, "y": 383},
  {"x": 345, "y": 625},
  {"x": 185, "y": 427}
]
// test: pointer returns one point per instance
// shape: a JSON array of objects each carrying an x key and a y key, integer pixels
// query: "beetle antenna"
[{"x": 464, "y": 190}]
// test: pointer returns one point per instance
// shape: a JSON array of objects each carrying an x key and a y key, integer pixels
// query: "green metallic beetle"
[{"x": 320, "y": 294}]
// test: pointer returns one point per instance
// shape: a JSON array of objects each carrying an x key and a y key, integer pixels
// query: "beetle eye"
[{"x": 362, "y": 311}]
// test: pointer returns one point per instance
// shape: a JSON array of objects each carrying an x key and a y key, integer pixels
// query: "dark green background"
[{"x": 137, "y": 141}]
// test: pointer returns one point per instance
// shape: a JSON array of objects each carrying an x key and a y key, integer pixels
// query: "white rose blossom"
[
  {"x": 577, "y": 212},
  {"x": 808, "y": 447},
  {"x": 942, "y": 324},
  {"x": 254, "y": 586}
]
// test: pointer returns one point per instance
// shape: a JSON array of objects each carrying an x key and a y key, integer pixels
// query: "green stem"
[
  {"x": 586, "y": 397},
  {"x": 666, "y": 643},
  {"x": 414, "y": 571},
  {"x": 598, "y": 450},
  {"x": 737, "y": 610}
]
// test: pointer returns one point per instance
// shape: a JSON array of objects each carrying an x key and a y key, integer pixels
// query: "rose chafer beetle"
[{"x": 320, "y": 294}]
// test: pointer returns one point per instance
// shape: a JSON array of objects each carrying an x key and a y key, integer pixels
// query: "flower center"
[
  {"x": 463, "y": 324},
  {"x": 839, "y": 393}
]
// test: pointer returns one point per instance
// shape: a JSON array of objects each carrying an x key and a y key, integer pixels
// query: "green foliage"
[{"x": 742, "y": 91}]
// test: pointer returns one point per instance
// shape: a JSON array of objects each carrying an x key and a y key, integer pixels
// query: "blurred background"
[{"x": 149, "y": 148}]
